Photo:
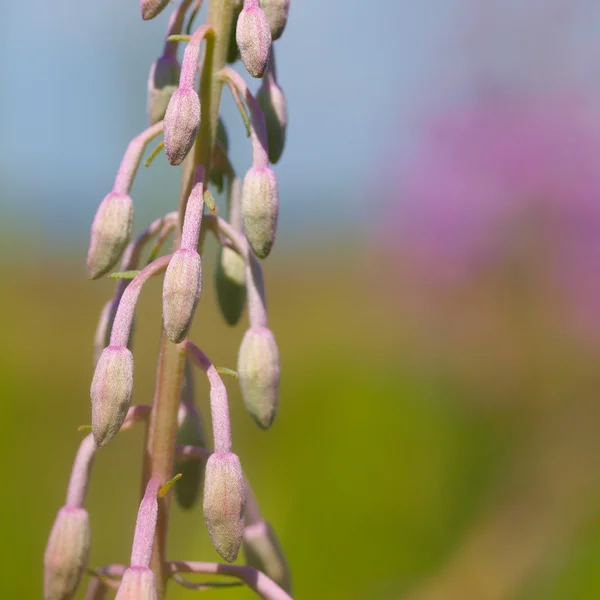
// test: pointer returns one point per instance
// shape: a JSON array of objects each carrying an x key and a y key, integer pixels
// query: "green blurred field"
[{"x": 371, "y": 473}]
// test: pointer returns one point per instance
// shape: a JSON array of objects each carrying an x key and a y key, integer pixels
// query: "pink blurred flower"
[{"x": 505, "y": 182}]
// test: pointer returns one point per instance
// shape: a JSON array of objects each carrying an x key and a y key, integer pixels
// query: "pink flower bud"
[
  {"x": 272, "y": 102},
  {"x": 110, "y": 233},
  {"x": 260, "y": 208},
  {"x": 231, "y": 284},
  {"x": 224, "y": 500},
  {"x": 263, "y": 552},
  {"x": 152, "y": 8},
  {"x": 259, "y": 371},
  {"x": 190, "y": 433},
  {"x": 276, "y": 12},
  {"x": 162, "y": 83},
  {"x": 181, "y": 292},
  {"x": 66, "y": 554},
  {"x": 182, "y": 121},
  {"x": 137, "y": 584},
  {"x": 112, "y": 387},
  {"x": 253, "y": 38}
]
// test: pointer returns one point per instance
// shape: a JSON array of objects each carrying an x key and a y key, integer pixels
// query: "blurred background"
[{"x": 434, "y": 290}]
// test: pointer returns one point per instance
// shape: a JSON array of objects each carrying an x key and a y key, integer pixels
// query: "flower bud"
[
  {"x": 276, "y": 12},
  {"x": 260, "y": 208},
  {"x": 224, "y": 500},
  {"x": 263, "y": 552},
  {"x": 233, "y": 52},
  {"x": 67, "y": 553},
  {"x": 112, "y": 387},
  {"x": 230, "y": 278},
  {"x": 253, "y": 38},
  {"x": 110, "y": 233},
  {"x": 162, "y": 83},
  {"x": 258, "y": 372},
  {"x": 190, "y": 433},
  {"x": 152, "y": 8},
  {"x": 182, "y": 121},
  {"x": 137, "y": 584},
  {"x": 181, "y": 292},
  {"x": 272, "y": 102}
]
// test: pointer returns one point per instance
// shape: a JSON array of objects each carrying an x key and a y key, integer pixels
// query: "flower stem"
[{"x": 162, "y": 429}]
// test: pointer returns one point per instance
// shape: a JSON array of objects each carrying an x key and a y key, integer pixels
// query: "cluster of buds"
[{"x": 185, "y": 110}]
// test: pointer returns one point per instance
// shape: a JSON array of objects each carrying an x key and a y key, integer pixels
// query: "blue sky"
[
  {"x": 76, "y": 75},
  {"x": 358, "y": 75}
]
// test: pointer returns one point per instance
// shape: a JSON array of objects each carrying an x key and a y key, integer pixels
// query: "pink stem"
[
  {"x": 124, "y": 317},
  {"x": 258, "y": 130},
  {"x": 219, "y": 405},
  {"x": 193, "y": 213},
  {"x": 175, "y": 27},
  {"x": 189, "y": 64},
  {"x": 253, "y": 578},
  {"x": 80, "y": 475},
  {"x": 257, "y": 300},
  {"x": 133, "y": 157},
  {"x": 145, "y": 526}
]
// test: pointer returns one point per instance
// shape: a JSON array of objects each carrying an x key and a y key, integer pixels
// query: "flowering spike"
[
  {"x": 276, "y": 12},
  {"x": 263, "y": 552},
  {"x": 259, "y": 371},
  {"x": 260, "y": 207},
  {"x": 138, "y": 583},
  {"x": 67, "y": 553},
  {"x": 253, "y": 37},
  {"x": 111, "y": 391},
  {"x": 110, "y": 233},
  {"x": 272, "y": 102},
  {"x": 224, "y": 501}
]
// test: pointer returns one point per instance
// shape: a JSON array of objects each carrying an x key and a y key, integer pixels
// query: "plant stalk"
[{"x": 162, "y": 428}]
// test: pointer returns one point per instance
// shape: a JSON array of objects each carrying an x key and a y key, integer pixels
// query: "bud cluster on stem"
[{"x": 186, "y": 112}]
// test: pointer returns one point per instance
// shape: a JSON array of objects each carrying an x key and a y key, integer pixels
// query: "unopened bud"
[
  {"x": 111, "y": 391},
  {"x": 181, "y": 292},
  {"x": 111, "y": 230},
  {"x": 66, "y": 554},
  {"x": 190, "y": 433},
  {"x": 276, "y": 12},
  {"x": 162, "y": 83},
  {"x": 260, "y": 208},
  {"x": 272, "y": 102},
  {"x": 137, "y": 584},
  {"x": 253, "y": 38},
  {"x": 230, "y": 278},
  {"x": 182, "y": 121},
  {"x": 263, "y": 552},
  {"x": 258, "y": 372},
  {"x": 224, "y": 500},
  {"x": 152, "y": 8}
]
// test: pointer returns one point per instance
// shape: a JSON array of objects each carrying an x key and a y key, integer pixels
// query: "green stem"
[{"x": 162, "y": 429}]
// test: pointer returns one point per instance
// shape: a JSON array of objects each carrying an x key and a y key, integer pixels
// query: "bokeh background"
[{"x": 434, "y": 290}]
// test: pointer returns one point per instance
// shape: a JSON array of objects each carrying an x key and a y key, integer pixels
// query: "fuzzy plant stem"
[
  {"x": 254, "y": 579},
  {"x": 162, "y": 429}
]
